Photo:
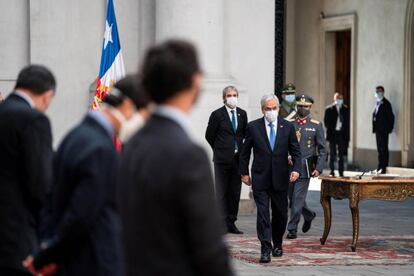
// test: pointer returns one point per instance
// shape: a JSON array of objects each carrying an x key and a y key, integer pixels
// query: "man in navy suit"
[
  {"x": 382, "y": 125},
  {"x": 272, "y": 139},
  {"x": 82, "y": 233},
  {"x": 171, "y": 224},
  {"x": 25, "y": 165},
  {"x": 225, "y": 133}
]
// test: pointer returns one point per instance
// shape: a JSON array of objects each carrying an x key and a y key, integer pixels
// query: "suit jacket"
[
  {"x": 270, "y": 168},
  {"x": 221, "y": 136},
  {"x": 84, "y": 236},
  {"x": 330, "y": 120},
  {"x": 383, "y": 120},
  {"x": 25, "y": 175},
  {"x": 170, "y": 218}
]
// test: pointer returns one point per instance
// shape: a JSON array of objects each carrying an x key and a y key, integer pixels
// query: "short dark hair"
[
  {"x": 169, "y": 68},
  {"x": 128, "y": 87},
  {"x": 380, "y": 87},
  {"x": 36, "y": 78}
]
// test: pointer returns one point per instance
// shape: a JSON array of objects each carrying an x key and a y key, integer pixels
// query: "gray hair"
[
  {"x": 267, "y": 98},
  {"x": 228, "y": 89}
]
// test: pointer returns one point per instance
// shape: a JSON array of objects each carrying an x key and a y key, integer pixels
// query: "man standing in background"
[
  {"x": 287, "y": 106},
  {"x": 225, "y": 133},
  {"x": 25, "y": 165},
  {"x": 337, "y": 132},
  {"x": 382, "y": 125}
]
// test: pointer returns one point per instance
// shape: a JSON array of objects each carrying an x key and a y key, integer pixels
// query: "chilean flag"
[{"x": 112, "y": 65}]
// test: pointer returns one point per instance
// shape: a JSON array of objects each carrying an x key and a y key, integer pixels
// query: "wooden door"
[{"x": 343, "y": 64}]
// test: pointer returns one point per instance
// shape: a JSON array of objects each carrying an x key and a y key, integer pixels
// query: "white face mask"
[
  {"x": 379, "y": 95},
  {"x": 271, "y": 115},
  {"x": 128, "y": 127},
  {"x": 231, "y": 102}
]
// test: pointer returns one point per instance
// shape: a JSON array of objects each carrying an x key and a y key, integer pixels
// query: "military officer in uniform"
[
  {"x": 287, "y": 107},
  {"x": 310, "y": 135}
]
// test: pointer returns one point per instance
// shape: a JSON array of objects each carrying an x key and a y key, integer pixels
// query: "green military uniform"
[
  {"x": 311, "y": 137},
  {"x": 288, "y": 109}
]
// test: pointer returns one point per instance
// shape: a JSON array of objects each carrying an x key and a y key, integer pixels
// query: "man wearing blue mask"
[
  {"x": 336, "y": 121},
  {"x": 288, "y": 106},
  {"x": 382, "y": 125}
]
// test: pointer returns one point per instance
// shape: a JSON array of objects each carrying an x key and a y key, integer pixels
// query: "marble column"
[{"x": 203, "y": 23}]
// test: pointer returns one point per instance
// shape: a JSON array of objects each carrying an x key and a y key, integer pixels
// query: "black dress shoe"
[
  {"x": 233, "y": 230},
  {"x": 332, "y": 173},
  {"x": 291, "y": 235},
  {"x": 307, "y": 224},
  {"x": 277, "y": 252},
  {"x": 265, "y": 257}
]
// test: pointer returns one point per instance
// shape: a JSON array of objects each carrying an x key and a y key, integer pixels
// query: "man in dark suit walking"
[
  {"x": 25, "y": 165},
  {"x": 225, "y": 133},
  {"x": 83, "y": 235},
  {"x": 272, "y": 140},
  {"x": 336, "y": 121},
  {"x": 166, "y": 194},
  {"x": 382, "y": 125}
]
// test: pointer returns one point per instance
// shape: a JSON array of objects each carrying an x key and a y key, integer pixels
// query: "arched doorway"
[{"x": 407, "y": 143}]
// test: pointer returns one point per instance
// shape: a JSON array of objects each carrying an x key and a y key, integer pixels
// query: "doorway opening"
[{"x": 337, "y": 67}]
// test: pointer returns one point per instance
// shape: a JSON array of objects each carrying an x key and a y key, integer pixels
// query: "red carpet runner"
[{"x": 307, "y": 251}]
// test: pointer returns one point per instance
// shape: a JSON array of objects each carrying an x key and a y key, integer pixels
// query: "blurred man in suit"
[
  {"x": 272, "y": 140},
  {"x": 83, "y": 224},
  {"x": 25, "y": 165},
  {"x": 382, "y": 125},
  {"x": 225, "y": 133},
  {"x": 337, "y": 132},
  {"x": 166, "y": 193}
]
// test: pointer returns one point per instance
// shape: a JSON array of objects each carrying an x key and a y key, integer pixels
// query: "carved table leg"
[
  {"x": 353, "y": 204},
  {"x": 326, "y": 204}
]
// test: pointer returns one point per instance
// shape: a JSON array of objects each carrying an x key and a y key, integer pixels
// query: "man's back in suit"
[
  {"x": 83, "y": 226},
  {"x": 170, "y": 220},
  {"x": 25, "y": 173},
  {"x": 25, "y": 165},
  {"x": 167, "y": 204}
]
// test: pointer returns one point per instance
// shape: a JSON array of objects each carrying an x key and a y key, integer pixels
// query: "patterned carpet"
[{"x": 307, "y": 251}]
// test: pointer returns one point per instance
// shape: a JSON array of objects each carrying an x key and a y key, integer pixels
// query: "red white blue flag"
[{"x": 112, "y": 65}]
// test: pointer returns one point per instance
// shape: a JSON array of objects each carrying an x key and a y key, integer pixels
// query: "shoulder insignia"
[
  {"x": 290, "y": 119},
  {"x": 315, "y": 121}
]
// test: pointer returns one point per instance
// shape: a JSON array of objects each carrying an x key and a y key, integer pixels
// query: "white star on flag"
[{"x": 108, "y": 34}]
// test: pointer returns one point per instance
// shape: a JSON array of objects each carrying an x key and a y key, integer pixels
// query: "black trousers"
[
  {"x": 269, "y": 230},
  {"x": 5, "y": 271},
  {"x": 228, "y": 188},
  {"x": 383, "y": 153},
  {"x": 337, "y": 147}
]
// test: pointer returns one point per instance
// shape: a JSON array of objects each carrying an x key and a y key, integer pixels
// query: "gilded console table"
[{"x": 355, "y": 189}]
